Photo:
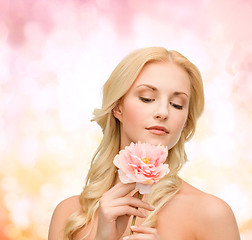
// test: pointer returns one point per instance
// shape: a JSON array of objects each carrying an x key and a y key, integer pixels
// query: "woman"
[{"x": 154, "y": 96}]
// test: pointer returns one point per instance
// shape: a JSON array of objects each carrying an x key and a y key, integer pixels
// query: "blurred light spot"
[
  {"x": 198, "y": 182},
  {"x": 72, "y": 183},
  {"x": 191, "y": 149},
  {"x": 88, "y": 16},
  {"x": 28, "y": 151},
  {"x": 47, "y": 124},
  {"x": 105, "y": 4},
  {"x": 48, "y": 191},
  {"x": 44, "y": 100},
  {"x": 3, "y": 141},
  {"x": 3, "y": 32},
  {"x": 2, "y": 123},
  {"x": 4, "y": 72},
  {"x": 243, "y": 89},
  {"x": 33, "y": 33},
  {"x": 218, "y": 90},
  {"x": 220, "y": 150},
  {"x": 29, "y": 86},
  {"x": 56, "y": 145},
  {"x": 246, "y": 235},
  {"x": 9, "y": 183},
  {"x": 12, "y": 232},
  {"x": 42, "y": 231},
  {"x": 69, "y": 119},
  {"x": 224, "y": 118},
  {"x": 19, "y": 213},
  {"x": 10, "y": 199},
  {"x": 106, "y": 28},
  {"x": 237, "y": 200}
]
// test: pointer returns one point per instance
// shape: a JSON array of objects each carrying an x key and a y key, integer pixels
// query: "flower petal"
[
  {"x": 143, "y": 188},
  {"x": 123, "y": 177},
  {"x": 133, "y": 168}
]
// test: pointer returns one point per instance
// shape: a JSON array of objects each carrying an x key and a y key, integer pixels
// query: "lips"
[{"x": 159, "y": 130}]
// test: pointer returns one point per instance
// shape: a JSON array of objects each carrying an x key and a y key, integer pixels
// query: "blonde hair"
[{"x": 102, "y": 171}]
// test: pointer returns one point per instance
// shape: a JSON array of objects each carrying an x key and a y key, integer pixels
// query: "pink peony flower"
[{"x": 142, "y": 163}]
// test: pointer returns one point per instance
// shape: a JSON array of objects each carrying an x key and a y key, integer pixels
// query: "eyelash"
[
  {"x": 176, "y": 106},
  {"x": 148, "y": 100}
]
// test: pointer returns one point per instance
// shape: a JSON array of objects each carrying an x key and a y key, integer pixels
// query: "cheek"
[
  {"x": 131, "y": 114},
  {"x": 180, "y": 122}
]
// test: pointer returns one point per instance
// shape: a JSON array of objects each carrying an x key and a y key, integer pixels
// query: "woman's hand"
[
  {"x": 143, "y": 233},
  {"x": 115, "y": 209}
]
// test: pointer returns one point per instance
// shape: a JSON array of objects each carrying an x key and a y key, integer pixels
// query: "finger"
[
  {"x": 143, "y": 229},
  {"x": 141, "y": 236},
  {"x": 134, "y": 202},
  {"x": 111, "y": 214},
  {"x": 120, "y": 190},
  {"x": 129, "y": 211}
]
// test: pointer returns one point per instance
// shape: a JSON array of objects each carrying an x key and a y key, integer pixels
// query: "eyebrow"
[
  {"x": 155, "y": 89},
  {"x": 149, "y": 86},
  {"x": 179, "y": 93}
]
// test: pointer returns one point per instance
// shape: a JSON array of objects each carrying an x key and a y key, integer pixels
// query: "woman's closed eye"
[
  {"x": 177, "y": 106},
  {"x": 146, "y": 100}
]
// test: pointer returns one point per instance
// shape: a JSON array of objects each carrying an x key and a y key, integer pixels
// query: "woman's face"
[{"x": 155, "y": 108}]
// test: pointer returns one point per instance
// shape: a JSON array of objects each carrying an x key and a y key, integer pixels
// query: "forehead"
[{"x": 165, "y": 76}]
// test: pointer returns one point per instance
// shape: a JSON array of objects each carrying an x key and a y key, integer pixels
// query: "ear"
[{"x": 117, "y": 111}]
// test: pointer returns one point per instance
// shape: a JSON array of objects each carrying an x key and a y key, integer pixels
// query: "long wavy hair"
[{"x": 102, "y": 172}]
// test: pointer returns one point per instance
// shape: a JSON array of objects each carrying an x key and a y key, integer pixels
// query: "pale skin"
[{"x": 158, "y": 98}]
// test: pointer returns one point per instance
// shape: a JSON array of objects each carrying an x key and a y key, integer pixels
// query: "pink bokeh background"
[{"x": 54, "y": 58}]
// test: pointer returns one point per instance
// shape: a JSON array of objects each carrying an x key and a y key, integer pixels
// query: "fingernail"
[
  {"x": 133, "y": 227},
  {"x": 125, "y": 238},
  {"x": 152, "y": 207},
  {"x": 143, "y": 214}
]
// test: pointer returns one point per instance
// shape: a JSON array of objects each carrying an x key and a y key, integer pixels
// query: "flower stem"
[{"x": 134, "y": 218}]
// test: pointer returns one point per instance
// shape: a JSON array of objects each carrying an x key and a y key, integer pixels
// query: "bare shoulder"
[
  {"x": 206, "y": 203},
  {"x": 213, "y": 207},
  {"x": 213, "y": 217},
  {"x": 194, "y": 214},
  {"x": 60, "y": 216}
]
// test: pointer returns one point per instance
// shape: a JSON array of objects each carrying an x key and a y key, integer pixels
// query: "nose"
[{"x": 161, "y": 112}]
